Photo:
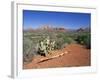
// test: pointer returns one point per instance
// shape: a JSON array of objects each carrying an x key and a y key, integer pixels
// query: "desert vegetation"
[
  {"x": 84, "y": 39},
  {"x": 42, "y": 42}
]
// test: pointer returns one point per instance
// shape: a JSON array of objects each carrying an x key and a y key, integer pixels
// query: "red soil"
[{"x": 77, "y": 55}]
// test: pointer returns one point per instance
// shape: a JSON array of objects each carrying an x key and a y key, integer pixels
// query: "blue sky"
[{"x": 68, "y": 20}]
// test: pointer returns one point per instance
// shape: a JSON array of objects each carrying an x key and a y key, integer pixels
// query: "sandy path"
[{"x": 77, "y": 56}]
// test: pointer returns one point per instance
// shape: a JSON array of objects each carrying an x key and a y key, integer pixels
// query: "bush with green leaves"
[
  {"x": 28, "y": 50},
  {"x": 68, "y": 40},
  {"x": 84, "y": 39},
  {"x": 62, "y": 39}
]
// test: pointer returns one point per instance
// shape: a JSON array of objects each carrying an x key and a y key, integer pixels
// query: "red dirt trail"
[{"x": 77, "y": 55}]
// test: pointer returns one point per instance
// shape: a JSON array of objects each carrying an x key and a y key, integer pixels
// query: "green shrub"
[
  {"x": 27, "y": 50},
  {"x": 84, "y": 40},
  {"x": 68, "y": 40},
  {"x": 63, "y": 39},
  {"x": 59, "y": 43}
]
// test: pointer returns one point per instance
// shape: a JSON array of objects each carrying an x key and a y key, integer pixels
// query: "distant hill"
[
  {"x": 87, "y": 29},
  {"x": 48, "y": 28},
  {"x": 60, "y": 29}
]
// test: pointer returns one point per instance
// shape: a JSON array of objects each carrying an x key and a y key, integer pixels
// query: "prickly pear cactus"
[{"x": 45, "y": 46}]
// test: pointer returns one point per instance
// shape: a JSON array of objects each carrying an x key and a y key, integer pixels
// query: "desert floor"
[{"x": 74, "y": 55}]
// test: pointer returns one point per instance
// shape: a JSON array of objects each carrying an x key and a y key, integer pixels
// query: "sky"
[{"x": 69, "y": 20}]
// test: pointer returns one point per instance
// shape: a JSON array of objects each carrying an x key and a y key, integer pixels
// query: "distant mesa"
[
  {"x": 80, "y": 30},
  {"x": 45, "y": 27},
  {"x": 87, "y": 29},
  {"x": 60, "y": 29},
  {"x": 52, "y": 28}
]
